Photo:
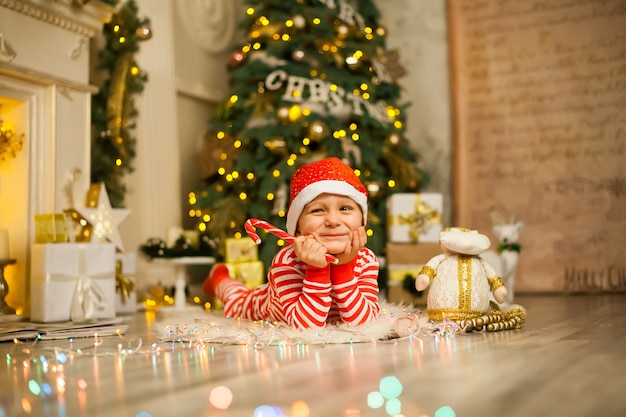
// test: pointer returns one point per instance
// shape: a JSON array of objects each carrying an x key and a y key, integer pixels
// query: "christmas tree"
[{"x": 312, "y": 79}]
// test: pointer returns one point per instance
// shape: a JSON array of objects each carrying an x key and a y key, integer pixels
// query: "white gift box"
[
  {"x": 414, "y": 217},
  {"x": 72, "y": 281},
  {"x": 127, "y": 262}
]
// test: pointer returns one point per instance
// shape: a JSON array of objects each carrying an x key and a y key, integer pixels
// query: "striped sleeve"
[
  {"x": 355, "y": 286},
  {"x": 302, "y": 291}
]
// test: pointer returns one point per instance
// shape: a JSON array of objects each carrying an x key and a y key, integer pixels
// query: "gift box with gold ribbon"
[
  {"x": 404, "y": 262},
  {"x": 125, "y": 287},
  {"x": 401, "y": 285},
  {"x": 240, "y": 250},
  {"x": 51, "y": 228},
  {"x": 252, "y": 274},
  {"x": 414, "y": 217},
  {"x": 72, "y": 281}
]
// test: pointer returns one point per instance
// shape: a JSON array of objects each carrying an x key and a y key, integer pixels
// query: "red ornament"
[{"x": 236, "y": 58}]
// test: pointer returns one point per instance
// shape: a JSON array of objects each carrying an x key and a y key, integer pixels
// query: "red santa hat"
[{"x": 328, "y": 175}]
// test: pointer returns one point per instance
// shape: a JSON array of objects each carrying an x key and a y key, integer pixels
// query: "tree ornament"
[
  {"x": 343, "y": 112},
  {"x": 387, "y": 65},
  {"x": 393, "y": 139},
  {"x": 342, "y": 31},
  {"x": 299, "y": 22},
  {"x": 144, "y": 32},
  {"x": 277, "y": 145},
  {"x": 298, "y": 55},
  {"x": 236, "y": 58},
  {"x": 353, "y": 62},
  {"x": 374, "y": 188},
  {"x": 283, "y": 114},
  {"x": 381, "y": 31},
  {"x": 318, "y": 131},
  {"x": 261, "y": 102}
]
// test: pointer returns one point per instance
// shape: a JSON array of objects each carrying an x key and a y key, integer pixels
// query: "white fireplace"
[{"x": 46, "y": 95}]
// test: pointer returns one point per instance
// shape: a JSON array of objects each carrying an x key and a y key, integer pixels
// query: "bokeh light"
[
  {"x": 393, "y": 407},
  {"x": 265, "y": 411},
  {"x": 390, "y": 387},
  {"x": 445, "y": 411},
  {"x": 375, "y": 399},
  {"x": 300, "y": 409},
  {"x": 221, "y": 397}
]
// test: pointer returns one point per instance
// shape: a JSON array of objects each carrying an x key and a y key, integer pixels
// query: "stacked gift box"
[
  {"x": 72, "y": 281},
  {"x": 242, "y": 261},
  {"x": 125, "y": 283},
  {"x": 78, "y": 269},
  {"x": 413, "y": 228}
]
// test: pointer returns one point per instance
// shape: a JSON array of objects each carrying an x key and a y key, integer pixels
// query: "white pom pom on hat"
[{"x": 329, "y": 175}]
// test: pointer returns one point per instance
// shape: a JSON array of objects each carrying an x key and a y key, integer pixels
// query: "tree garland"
[{"x": 113, "y": 110}]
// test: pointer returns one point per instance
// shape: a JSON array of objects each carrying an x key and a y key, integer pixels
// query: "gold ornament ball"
[
  {"x": 144, "y": 32},
  {"x": 381, "y": 31},
  {"x": 283, "y": 115},
  {"x": 318, "y": 131}
]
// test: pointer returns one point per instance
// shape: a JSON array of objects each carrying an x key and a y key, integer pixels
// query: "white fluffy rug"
[{"x": 394, "y": 321}]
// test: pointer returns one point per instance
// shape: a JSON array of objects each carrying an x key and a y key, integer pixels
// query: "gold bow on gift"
[
  {"x": 420, "y": 220},
  {"x": 122, "y": 283}
]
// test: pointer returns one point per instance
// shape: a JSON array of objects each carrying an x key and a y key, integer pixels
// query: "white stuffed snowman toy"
[{"x": 461, "y": 282}]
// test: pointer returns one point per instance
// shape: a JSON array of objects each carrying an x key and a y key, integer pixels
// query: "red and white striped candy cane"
[{"x": 250, "y": 229}]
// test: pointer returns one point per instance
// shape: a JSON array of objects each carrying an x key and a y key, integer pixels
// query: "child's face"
[{"x": 333, "y": 217}]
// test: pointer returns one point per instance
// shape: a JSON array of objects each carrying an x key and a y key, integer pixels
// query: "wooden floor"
[{"x": 569, "y": 360}]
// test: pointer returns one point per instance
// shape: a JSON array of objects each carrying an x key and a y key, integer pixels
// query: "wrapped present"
[
  {"x": 72, "y": 281},
  {"x": 50, "y": 228},
  {"x": 250, "y": 273},
  {"x": 411, "y": 253},
  {"x": 125, "y": 289},
  {"x": 241, "y": 250},
  {"x": 401, "y": 285},
  {"x": 414, "y": 217}
]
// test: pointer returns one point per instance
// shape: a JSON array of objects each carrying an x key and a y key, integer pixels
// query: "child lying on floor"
[{"x": 327, "y": 215}]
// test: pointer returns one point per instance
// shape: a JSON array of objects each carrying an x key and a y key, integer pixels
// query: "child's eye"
[{"x": 346, "y": 208}]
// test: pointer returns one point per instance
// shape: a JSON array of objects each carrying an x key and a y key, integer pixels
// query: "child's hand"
[
  {"x": 359, "y": 239},
  {"x": 310, "y": 251}
]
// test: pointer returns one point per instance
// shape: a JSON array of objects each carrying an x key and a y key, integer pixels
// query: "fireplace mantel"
[{"x": 46, "y": 93}]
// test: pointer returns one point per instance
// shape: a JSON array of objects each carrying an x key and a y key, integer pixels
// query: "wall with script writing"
[{"x": 539, "y": 114}]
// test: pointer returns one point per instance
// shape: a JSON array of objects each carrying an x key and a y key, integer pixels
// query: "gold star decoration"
[{"x": 104, "y": 219}]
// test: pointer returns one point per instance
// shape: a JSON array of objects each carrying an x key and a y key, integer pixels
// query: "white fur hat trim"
[{"x": 311, "y": 191}]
